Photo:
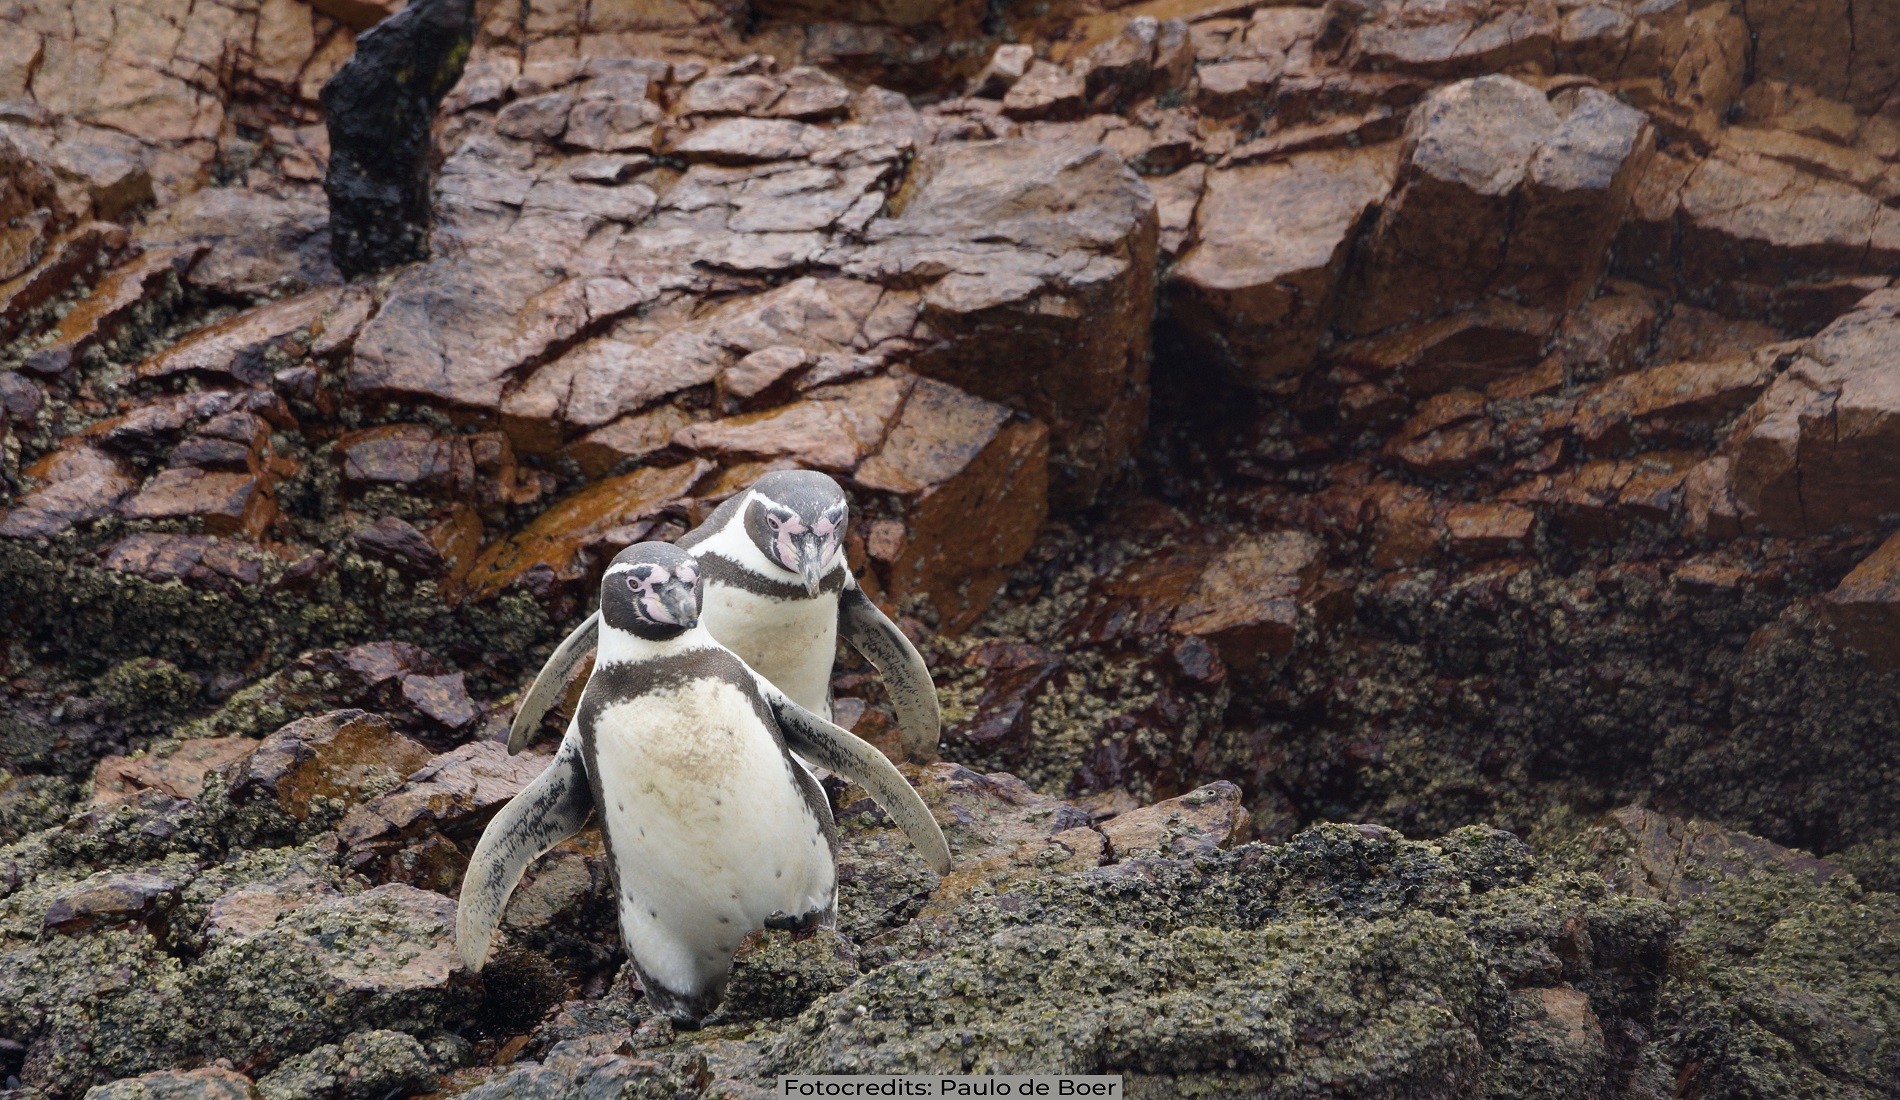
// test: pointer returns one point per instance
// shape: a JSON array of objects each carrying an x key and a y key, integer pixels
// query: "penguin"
[
  {"x": 779, "y": 594},
  {"x": 713, "y": 830}
]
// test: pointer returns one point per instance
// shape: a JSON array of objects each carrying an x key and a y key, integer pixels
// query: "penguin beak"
[
  {"x": 681, "y": 603},
  {"x": 812, "y": 569}
]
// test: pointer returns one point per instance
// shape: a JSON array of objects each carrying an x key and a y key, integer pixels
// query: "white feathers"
[{"x": 709, "y": 830}]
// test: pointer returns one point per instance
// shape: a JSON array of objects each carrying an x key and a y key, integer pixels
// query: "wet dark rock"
[{"x": 379, "y": 108}]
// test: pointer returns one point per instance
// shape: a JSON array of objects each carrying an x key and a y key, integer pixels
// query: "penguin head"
[
  {"x": 796, "y": 518},
  {"x": 652, "y": 590}
]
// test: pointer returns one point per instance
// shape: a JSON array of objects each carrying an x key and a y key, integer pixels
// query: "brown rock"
[
  {"x": 1468, "y": 148},
  {"x": 1380, "y": 124},
  {"x": 1574, "y": 197},
  {"x": 1864, "y": 609},
  {"x": 833, "y": 428},
  {"x": 201, "y": 561},
  {"x": 409, "y": 457},
  {"x": 178, "y": 771},
  {"x": 630, "y": 437},
  {"x": 1467, "y": 350},
  {"x": 1200, "y": 822},
  {"x": 99, "y": 317},
  {"x": 1046, "y": 91},
  {"x": 30, "y": 210},
  {"x": 1459, "y": 46},
  {"x": 1449, "y": 434},
  {"x": 338, "y": 758},
  {"x": 1607, "y": 336},
  {"x": 1013, "y": 676},
  {"x": 1006, "y": 66},
  {"x": 535, "y": 118},
  {"x": 1235, "y": 87},
  {"x": 110, "y": 898},
  {"x": 1602, "y": 499},
  {"x": 78, "y": 484},
  {"x": 810, "y": 94},
  {"x": 762, "y": 370},
  {"x": 209, "y": 1083},
  {"x": 948, "y": 457},
  {"x": 109, "y": 178},
  {"x": 552, "y": 546},
  {"x": 66, "y": 258},
  {"x": 249, "y": 910},
  {"x": 613, "y": 126},
  {"x": 1247, "y": 600},
  {"x": 1818, "y": 450},
  {"x": 1671, "y": 404},
  {"x": 243, "y": 348},
  {"x": 253, "y": 244},
  {"x": 225, "y": 503},
  {"x": 397, "y": 544},
  {"x": 1757, "y": 222},
  {"x": 1260, "y": 287},
  {"x": 454, "y": 794},
  {"x": 744, "y": 94},
  {"x": 1489, "y": 529},
  {"x": 740, "y": 141},
  {"x": 1671, "y": 859}
]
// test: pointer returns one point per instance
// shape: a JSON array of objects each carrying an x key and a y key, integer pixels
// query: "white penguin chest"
[
  {"x": 710, "y": 831},
  {"x": 790, "y": 642}
]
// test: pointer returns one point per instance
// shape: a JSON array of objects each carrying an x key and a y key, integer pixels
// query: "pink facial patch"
[
  {"x": 650, "y": 604},
  {"x": 783, "y": 529}
]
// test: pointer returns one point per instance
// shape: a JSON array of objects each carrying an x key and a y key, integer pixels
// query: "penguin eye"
[{"x": 774, "y": 522}]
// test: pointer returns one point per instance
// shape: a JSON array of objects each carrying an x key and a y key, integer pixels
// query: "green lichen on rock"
[
  {"x": 778, "y": 974},
  {"x": 146, "y": 689},
  {"x": 1784, "y": 987},
  {"x": 368, "y": 1065}
]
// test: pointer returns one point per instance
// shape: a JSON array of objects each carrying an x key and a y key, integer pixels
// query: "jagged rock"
[
  {"x": 368, "y": 1065},
  {"x": 30, "y": 205},
  {"x": 947, "y": 456},
  {"x": 1864, "y": 609},
  {"x": 1046, "y": 91},
  {"x": 80, "y": 484},
  {"x": 223, "y": 502},
  {"x": 246, "y": 348},
  {"x": 779, "y": 974},
  {"x": 252, "y": 243},
  {"x": 210, "y": 1083},
  {"x": 1006, "y": 66},
  {"x": 1260, "y": 288},
  {"x": 1468, "y": 147},
  {"x": 1200, "y": 822},
  {"x": 1812, "y": 454},
  {"x": 66, "y": 259},
  {"x": 454, "y": 795},
  {"x": 1246, "y": 600},
  {"x": 108, "y": 899},
  {"x": 381, "y": 959},
  {"x": 553, "y": 551},
  {"x": 111, "y": 307},
  {"x": 1086, "y": 233},
  {"x": 379, "y": 108},
  {"x": 178, "y": 771},
  {"x": 305, "y": 776}
]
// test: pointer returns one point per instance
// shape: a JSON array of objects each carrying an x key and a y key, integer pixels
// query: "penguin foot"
[{"x": 801, "y": 926}]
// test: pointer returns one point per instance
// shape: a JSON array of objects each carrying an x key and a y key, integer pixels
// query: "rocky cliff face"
[{"x": 1451, "y": 417}]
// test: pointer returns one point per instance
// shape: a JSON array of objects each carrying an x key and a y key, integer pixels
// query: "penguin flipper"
[
  {"x": 913, "y": 693},
  {"x": 547, "y": 811},
  {"x": 841, "y": 751},
  {"x": 554, "y": 676}
]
